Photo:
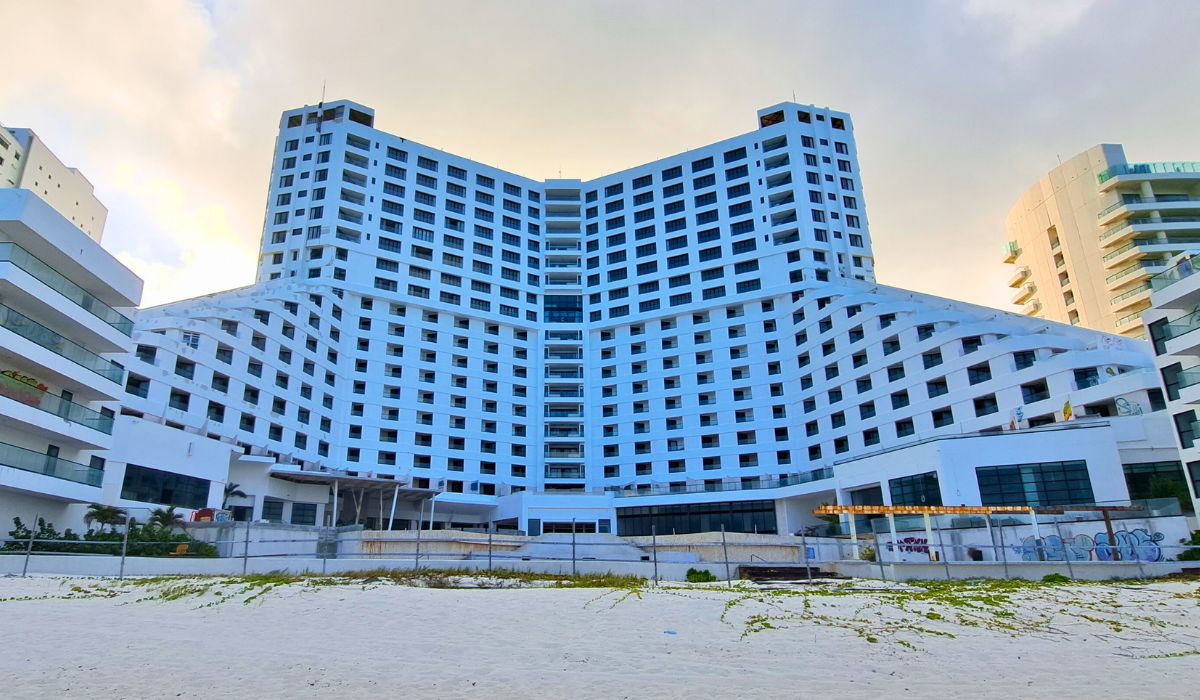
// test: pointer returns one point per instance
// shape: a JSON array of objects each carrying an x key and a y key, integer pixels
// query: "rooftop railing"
[
  {"x": 31, "y": 330},
  {"x": 41, "y": 463},
  {"x": 18, "y": 256},
  {"x": 1148, "y": 169}
]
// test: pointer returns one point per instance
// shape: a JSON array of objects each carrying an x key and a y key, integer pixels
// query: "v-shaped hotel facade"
[{"x": 690, "y": 343}]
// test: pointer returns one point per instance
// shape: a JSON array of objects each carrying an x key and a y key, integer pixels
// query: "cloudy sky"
[{"x": 170, "y": 108}]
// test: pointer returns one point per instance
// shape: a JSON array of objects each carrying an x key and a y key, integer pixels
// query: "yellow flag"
[{"x": 1068, "y": 414}]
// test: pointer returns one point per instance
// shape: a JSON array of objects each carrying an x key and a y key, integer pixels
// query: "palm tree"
[
  {"x": 165, "y": 519},
  {"x": 232, "y": 491},
  {"x": 104, "y": 515}
]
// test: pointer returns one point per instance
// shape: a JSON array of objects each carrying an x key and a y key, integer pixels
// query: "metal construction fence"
[{"x": 899, "y": 548}]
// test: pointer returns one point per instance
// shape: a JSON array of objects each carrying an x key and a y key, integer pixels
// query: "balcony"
[
  {"x": 38, "y": 397},
  {"x": 564, "y": 430},
  {"x": 563, "y": 248},
  {"x": 1032, "y": 308},
  {"x": 1165, "y": 168},
  {"x": 1011, "y": 251},
  {"x": 1140, "y": 270},
  {"x": 563, "y": 412},
  {"x": 1133, "y": 318},
  {"x": 1024, "y": 293},
  {"x": 564, "y": 392},
  {"x": 564, "y": 452},
  {"x": 35, "y": 332},
  {"x": 1019, "y": 276},
  {"x": 565, "y": 472},
  {"x": 1133, "y": 296},
  {"x": 1172, "y": 275},
  {"x": 1165, "y": 223},
  {"x": 755, "y": 485},
  {"x": 564, "y": 354},
  {"x": 34, "y": 267},
  {"x": 1181, "y": 326},
  {"x": 41, "y": 463}
]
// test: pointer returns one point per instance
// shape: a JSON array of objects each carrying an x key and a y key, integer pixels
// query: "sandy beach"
[{"x": 338, "y": 638}]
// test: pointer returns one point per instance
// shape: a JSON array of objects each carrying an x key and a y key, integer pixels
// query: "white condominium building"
[
  {"x": 1170, "y": 325},
  {"x": 64, "y": 316},
  {"x": 26, "y": 163},
  {"x": 1086, "y": 239},
  {"x": 686, "y": 344}
]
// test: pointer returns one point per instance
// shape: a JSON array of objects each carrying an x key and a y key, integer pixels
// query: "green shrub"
[
  {"x": 144, "y": 541},
  {"x": 1190, "y": 554},
  {"x": 1055, "y": 579},
  {"x": 866, "y": 553},
  {"x": 700, "y": 576}
]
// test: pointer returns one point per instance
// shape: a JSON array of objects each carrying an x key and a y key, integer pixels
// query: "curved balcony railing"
[
  {"x": 41, "y": 463},
  {"x": 18, "y": 256},
  {"x": 33, "y": 331},
  {"x": 1166, "y": 220},
  {"x": 1181, "y": 167}
]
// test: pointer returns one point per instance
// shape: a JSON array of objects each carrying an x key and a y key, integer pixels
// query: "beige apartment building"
[{"x": 1086, "y": 239}]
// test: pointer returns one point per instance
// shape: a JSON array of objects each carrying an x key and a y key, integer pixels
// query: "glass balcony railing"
[
  {"x": 1182, "y": 269},
  {"x": 750, "y": 485},
  {"x": 1148, "y": 169},
  {"x": 1181, "y": 326},
  {"x": 33, "y": 331},
  {"x": 1140, "y": 289},
  {"x": 1163, "y": 199},
  {"x": 1188, "y": 377},
  {"x": 1134, "y": 317},
  {"x": 32, "y": 395},
  {"x": 41, "y": 463},
  {"x": 1165, "y": 220},
  {"x": 18, "y": 256},
  {"x": 1132, "y": 269}
]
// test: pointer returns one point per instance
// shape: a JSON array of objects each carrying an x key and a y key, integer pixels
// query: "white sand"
[{"x": 385, "y": 640}]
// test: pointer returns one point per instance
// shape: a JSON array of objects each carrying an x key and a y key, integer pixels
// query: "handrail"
[
  {"x": 1169, "y": 167},
  {"x": 760, "y": 484},
  {"x": 41, "y": 463},
  {"x": 47, "y": 275},
  {"x": 29, "y": 329},
  {"x": 1110, "y": 232}
]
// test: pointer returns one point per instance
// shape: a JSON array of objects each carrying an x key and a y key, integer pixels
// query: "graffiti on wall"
[
  {"x": 1132, "y": 545},
  {"x": 909, "y": 544}
]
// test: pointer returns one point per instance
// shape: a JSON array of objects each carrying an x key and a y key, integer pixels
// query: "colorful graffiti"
[
  {"x": 909, "y": 544},
  {"x": 1132, "y": 545}
]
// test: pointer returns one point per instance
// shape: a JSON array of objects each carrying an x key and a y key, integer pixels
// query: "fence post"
[
  {"x": 654, "y": 548},
  {"x": 489, "y": 549},
  {"x": 1003, "y": 550},
  {"x": 942, "y": 548},
  {"x": 29, "y": 546},
  {"x": 246, "y": 549},
  {"x": 804, "y": 549},
  {"x": 124, "y": 549},
  {"x": 725, "y": 549},
  {"x": 1066, "y": 554},
  {"x": 417, "y": 553},
  {"x": 573, "y": 547}
]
